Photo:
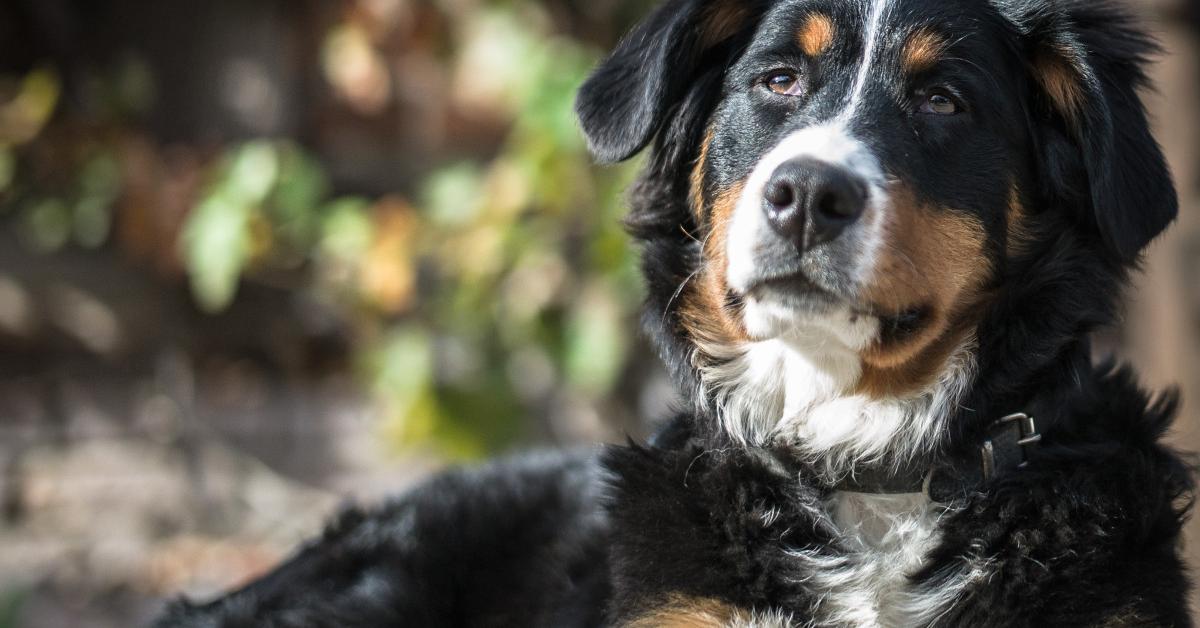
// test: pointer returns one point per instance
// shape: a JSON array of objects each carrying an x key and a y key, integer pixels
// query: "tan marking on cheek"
[
  {"x": 719, "y": 219},
  {"x": 703, "y": 310},
  {"x": 933, "y": 259},
  {"x": 1062, "y": 82},
  {"x": 696, "y": 187},
  {"x": 929, "y": 254},
  {"x": 816, "y": 34},
  {"x": 922, "y": 50},
  {"x": 690, "y": 612},
  {"x": 723, "y": 21}
]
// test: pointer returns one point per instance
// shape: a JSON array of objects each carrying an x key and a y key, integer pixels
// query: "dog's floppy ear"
[
  {"x": 1088, "y": 59},
  {"x": 626, "y": 99}
]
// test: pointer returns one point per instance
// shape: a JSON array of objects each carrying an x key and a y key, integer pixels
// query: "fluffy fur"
[
  {"x": 869, "y": 229},
  {"x": 509, "y": 544}
]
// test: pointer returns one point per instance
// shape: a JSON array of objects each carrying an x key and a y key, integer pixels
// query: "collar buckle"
[{"x": 1001, "y": 434}]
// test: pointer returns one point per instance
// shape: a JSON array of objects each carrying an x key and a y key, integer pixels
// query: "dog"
[{"x": 876, "y": 236}]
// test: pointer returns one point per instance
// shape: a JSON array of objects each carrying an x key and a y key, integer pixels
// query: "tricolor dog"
[{"x": 876, "y": 236}]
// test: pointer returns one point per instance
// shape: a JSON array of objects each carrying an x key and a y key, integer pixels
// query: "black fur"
[
  {"x": 1130, "y": 191},
  {"x": 512, "y": 544},
  {"x": 1086, "y": 535}
]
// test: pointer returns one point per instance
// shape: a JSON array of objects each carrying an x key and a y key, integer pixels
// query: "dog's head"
[{"x": 850, "y": 189}]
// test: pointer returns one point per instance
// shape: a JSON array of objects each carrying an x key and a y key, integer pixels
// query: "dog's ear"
[
  {"x": 626, "y": 99},
  {"x": 1087, "y": 58}
]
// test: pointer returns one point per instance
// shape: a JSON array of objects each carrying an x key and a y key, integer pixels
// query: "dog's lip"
[
  {"x": 797, "y": 292},
  {"x": 798, "y": 285},
  {"x": 794, "y": 284}
]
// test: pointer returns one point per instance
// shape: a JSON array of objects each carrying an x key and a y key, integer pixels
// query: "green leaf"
[
  {"x": 346, "y": 231},
  {"x": 596, "y": 341},
  {"x": 47, "y": 224},
  {"x": 453, "y": 195},
  {"x": 400, "y": 371},
  {"x": 295, "y": 203},
  {"x": 252, "y": 172},
  {"x": 100, "y": 183},
  {"x": 24, "y": 116},
  {"x": 92, "y": 221},
  {"x": 215, "y": 248},
  {"x": 403, "y": 365}
]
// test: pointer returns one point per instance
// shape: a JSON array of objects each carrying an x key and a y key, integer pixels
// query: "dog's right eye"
[{"x": 784, "y": 84}]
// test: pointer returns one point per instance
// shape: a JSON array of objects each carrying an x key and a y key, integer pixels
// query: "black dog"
[{"x": 876, "y": 235}]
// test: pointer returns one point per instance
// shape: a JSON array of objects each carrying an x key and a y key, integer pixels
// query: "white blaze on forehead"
[{"x": 873, "y": 33}]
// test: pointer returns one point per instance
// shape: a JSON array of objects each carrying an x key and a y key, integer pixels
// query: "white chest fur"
[
  {"x": 796, "y": 391},
  {"x": 885, "y": 539}
]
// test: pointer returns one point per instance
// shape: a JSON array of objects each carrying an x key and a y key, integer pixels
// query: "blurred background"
[{"x": 261, "y": 257}]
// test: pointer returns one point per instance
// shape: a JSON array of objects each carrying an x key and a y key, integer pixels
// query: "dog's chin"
[{"x": 797, "y": 311}]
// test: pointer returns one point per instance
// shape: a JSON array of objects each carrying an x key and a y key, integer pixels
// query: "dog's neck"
[{"x": 802, "y": 397}]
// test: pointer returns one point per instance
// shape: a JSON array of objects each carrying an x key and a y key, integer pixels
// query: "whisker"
[
  {"x": 678, "y": 291},
  {"x": 689, "y": 235}
]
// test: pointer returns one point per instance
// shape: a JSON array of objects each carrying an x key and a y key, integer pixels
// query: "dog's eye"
[
  {"x": 939, "y": 104},
  {"x": 784, "y": 84}
]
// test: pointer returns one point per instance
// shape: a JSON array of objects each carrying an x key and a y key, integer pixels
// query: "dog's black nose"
[{"x": 809, "y": 202}]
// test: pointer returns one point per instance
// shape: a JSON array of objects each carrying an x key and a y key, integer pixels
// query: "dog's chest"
[{"x": 885, "y": 539}]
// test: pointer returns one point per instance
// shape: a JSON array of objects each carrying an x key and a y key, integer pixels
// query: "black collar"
[{"x": 1005, "y": 447}]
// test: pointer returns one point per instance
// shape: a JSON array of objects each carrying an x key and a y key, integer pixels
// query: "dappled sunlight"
[{"x": 319, "y": 250}]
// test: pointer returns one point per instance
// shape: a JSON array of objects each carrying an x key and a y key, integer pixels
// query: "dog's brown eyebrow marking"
[
  {"x": 922, "y": 50},
  {"x": 816, "y": 34}
]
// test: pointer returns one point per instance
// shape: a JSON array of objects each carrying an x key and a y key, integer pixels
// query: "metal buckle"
[{"x": 1029, "y": 436}]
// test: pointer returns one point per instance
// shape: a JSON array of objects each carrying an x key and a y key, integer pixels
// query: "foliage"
[{"x": 492, "y": 290}]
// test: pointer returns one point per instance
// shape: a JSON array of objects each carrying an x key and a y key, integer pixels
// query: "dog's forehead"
[
  {"x": 864, "y": 56},
  {"x": 859, "y": 22}
]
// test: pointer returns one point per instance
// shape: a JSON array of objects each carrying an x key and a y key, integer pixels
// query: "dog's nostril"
[
  {"x": 837, "y": 204},
  {"x": 780, "y": 195},
  {"x": 830, "y": 205},
  {"x": 783, "y": 203}
]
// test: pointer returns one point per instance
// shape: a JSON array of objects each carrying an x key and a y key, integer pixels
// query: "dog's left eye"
[
  {"x": 784, "y": 84},
  {"x": 939, "y": 104}
]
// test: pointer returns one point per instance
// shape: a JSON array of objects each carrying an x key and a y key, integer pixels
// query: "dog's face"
[
  {"x": 857, "y": 180},
  {"x": 861, "y": 182}
]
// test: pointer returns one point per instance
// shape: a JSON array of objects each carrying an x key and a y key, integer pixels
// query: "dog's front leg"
[{"x": 700, "y": 537}]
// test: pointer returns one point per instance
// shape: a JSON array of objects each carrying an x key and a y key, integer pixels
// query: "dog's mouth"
[
  {"x": 795, "y": 291},
  {"x": 802, "y": 296}
]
